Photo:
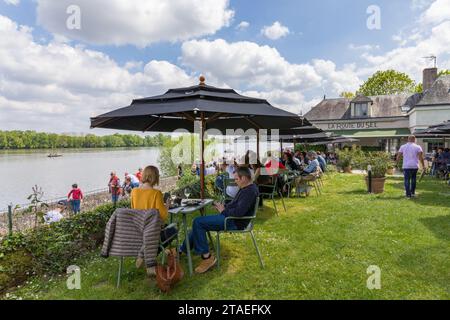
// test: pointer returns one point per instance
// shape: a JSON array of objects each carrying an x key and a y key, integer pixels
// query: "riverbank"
[
  {"x": 23, "y": 220},
  {"x": 89, "y": 168}
]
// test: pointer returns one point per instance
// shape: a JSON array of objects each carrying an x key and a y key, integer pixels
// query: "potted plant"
[
  {"x": 379, "y": 162},
  {"x": 390, "y": 170},
  {"x": 345, "y": 160}
]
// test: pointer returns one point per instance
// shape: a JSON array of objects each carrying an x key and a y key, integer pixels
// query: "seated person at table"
[
  {"x": 322, "y": 161},
  {"x": 242, "y": 205},
  {"x": 288, "y": 161},
  {"x": 273, "y": 165},
  {"x": 147, "y": 197},
  {"x": 313, "y": 164}
]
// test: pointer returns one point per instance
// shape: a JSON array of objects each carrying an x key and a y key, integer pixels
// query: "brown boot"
[{"x": 206, "y": 264}]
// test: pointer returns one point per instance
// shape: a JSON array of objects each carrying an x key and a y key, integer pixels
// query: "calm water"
[{"x": 90, "y": 168}]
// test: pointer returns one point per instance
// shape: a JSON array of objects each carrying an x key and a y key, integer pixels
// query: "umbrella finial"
[{"x": 202, "y": 80}]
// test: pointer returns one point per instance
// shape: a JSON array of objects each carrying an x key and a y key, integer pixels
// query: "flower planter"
[
  {"x": 377, "y": 184},
  {"x": 390, "y": 171}
]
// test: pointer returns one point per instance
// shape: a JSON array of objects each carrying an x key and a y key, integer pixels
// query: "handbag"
[{"x": 167, "y": 276}]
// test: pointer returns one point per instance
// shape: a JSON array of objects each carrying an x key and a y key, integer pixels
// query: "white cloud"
[
  {"x": 275, "y": 31},
  {"x": 409, "y": 58},
  {"x": 262, "y": 71},
  {"x": 420, "y": 4},
  {"x": 363, "y": 47},
  {"x": 13, "y": 2},
  {"x": 137, "y": 22},
  {"x": 57, "y": 87},
  {"x": 243, "y": 25},
  {"x": 439, "y": 11},
  {"x": 130, "y": 65},
  {"x": 291, "y": 101}
]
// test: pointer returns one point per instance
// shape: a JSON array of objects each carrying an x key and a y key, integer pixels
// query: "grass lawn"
[{"x": 320, "y": 249}]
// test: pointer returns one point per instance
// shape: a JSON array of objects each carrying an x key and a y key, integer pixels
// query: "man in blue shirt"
[
  {"x": 313, "y": 163},
  {"x": 242, "y": 205},
  {"x": 322, "y": 161}
]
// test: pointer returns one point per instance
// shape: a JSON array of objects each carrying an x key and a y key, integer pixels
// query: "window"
[{"x": 361, "y": 110}]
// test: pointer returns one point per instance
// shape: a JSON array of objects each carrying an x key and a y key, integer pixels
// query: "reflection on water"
[{"x": 90, "y": 168}]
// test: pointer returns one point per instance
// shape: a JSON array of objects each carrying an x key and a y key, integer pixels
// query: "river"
[{"x": 20, "y": 170}]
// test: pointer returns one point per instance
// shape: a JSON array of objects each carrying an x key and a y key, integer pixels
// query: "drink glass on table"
[{"x": 187, "y": 193}]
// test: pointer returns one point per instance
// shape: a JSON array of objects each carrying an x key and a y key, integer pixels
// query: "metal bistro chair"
[
  {"x": 274, "y": 191},
  {"x": 309, "y": 181},
  {"x": 248, "y": 229},
  {"x": 288, "y": 181},
  {"x": 161, "y": 246}
]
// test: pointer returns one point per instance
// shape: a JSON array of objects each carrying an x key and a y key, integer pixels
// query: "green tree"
[
  {"x": 3, "y": 140},
  {"x": 418, "y": 88},
  {"x": 387, "y": 82},
  {"x": 347, "y": 95},
  {"x": 444, "y": 72}
]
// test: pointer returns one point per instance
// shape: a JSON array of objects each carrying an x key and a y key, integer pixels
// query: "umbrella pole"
[
  {"x": 257, "y": 144},
  {"x": 202, "y": 164}
]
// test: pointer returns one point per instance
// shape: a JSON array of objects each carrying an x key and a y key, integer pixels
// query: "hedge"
[{"x": 50, "y": 249}]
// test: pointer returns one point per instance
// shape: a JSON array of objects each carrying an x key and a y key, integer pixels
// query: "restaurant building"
[{"x": 384, "y": 122}]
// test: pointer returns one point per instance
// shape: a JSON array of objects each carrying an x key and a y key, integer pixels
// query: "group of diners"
[{"x": 273, "y": 168}]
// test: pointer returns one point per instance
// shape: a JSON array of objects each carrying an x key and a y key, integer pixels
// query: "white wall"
[{"x": 423, "y": 117}]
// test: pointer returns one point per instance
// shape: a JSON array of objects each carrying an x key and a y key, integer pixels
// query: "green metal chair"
[
  {"x": 288, "y": 181},
  {"x": 161, "y": 245},
  {"x": 249, "y": 229},
  {"x": 274, "y": 191}
]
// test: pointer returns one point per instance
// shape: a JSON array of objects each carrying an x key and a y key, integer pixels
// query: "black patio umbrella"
[
  {"x": 291, "y": 135},
  {"x": 319, "y": 138},
  {"x": 335, "y": 140},
  {"x": 214, "y": 108},
  {"x": 442, "y": 128}
]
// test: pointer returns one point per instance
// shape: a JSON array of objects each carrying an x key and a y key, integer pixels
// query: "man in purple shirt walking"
[{"x": 412, "y": 154}]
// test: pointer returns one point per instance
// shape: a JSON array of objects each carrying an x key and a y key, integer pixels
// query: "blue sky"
[
  {"x": 320, "y": 29},
  {"x": 325, "y": 48}
]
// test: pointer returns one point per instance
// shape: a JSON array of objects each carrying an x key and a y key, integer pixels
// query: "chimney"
[{"x": 429, "y": 77}]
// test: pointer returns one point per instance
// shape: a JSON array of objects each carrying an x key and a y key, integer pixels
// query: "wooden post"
[
  {"x": 202, "y": 151},
  {"x": 10, "y": 220}
]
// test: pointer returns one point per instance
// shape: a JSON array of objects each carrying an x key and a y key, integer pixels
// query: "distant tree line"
[{"x": 40, "y": 140}]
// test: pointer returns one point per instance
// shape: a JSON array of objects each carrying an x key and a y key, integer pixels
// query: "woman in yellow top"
[{"x": 146, "y": 197}]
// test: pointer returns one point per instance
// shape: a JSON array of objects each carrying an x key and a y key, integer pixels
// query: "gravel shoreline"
[{"x": 23, "y": 221}]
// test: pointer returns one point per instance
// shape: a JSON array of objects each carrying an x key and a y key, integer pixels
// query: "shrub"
[
  {"x": 192, "y": 182},
  {"x": 379, "y": 161},
  {"x": 50, "y": 249},
  {"x": 349, "y": 157},
  {"x": 15, "y": 268}
]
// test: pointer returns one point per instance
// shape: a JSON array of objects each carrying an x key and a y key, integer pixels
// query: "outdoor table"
[{"x": 184, "y": 211}]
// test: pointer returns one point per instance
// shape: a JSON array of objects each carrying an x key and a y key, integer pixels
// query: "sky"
[{"x": 64, "y": 61}]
